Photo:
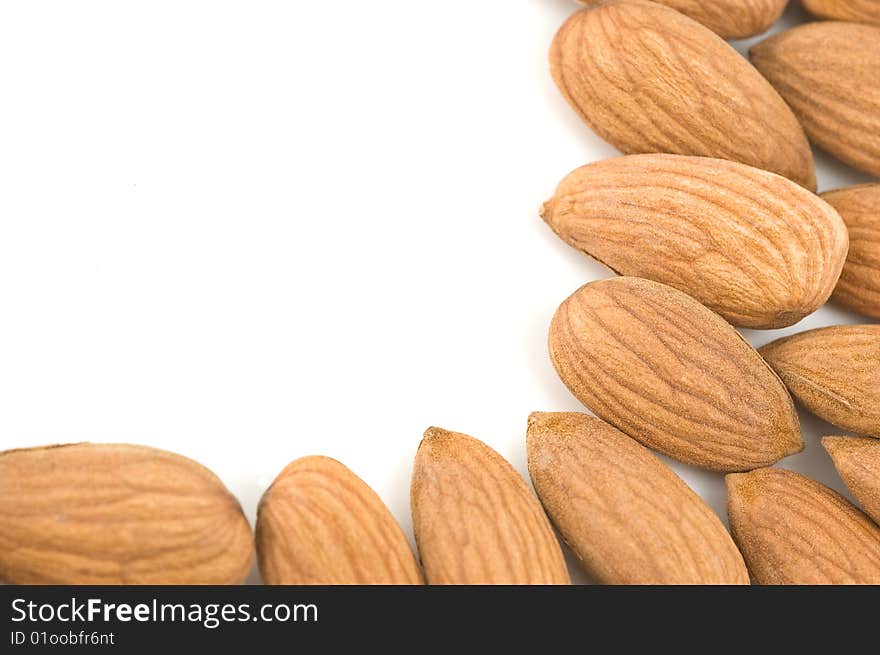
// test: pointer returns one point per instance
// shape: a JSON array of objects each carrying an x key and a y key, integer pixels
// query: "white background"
[{"x": 252, "y": 231}]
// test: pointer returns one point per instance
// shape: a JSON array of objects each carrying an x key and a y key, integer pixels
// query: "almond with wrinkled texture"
[
  {"x": 628, "y": 517},
  {"x": 829, "y": 73},
  {"x": 859, "y": 285},
  {"x": 834, "y": 372},
  {"x": 475, "y": 519},
  {"x": 117, "y": 514},
  {"x": 857, "y": 460},
  {"x": 857, "y": 11},
  {"x": 793, "y": 530},
  {"x": 753, "y": 246},
  {"x": 648, "y": 79},
  {"x": 729, "y": 19},
  {"x": 321, "y": 524},
  {"x": 669, "y": 372}
]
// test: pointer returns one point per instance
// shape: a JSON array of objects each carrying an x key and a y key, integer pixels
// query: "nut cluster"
[{"x": 711, "y": 222}]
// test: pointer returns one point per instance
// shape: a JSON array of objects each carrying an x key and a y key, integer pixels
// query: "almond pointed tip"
[
  {"x": 434, "y": 438},
  {"x": 838, "y": 443},
  {"x": 793, "y": 444},
  {"x": 755, "y": 50},
  {"x": 736, "y": 482},
  {"x": 732, "y": 480},
  {"x": 533, "y": 433},
  {"x": 830, "y": 443},
  {"x": 545, "y": 212},
  {"x": 434, "y": 432},
  {"x": 536, "y": 417}
]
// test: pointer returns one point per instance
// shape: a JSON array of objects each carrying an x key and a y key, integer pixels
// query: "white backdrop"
[{"x": 251, "y": 231}]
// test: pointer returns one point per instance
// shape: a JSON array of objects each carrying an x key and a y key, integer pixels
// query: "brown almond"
[
  {"x": 626, "y": 515},
  {"x": 320, "y": 524},
  {"x": 649, "y": 79},
  {"x": 729, "y": 19},
  {"x": 672, "y": 374},
  {"x": 793, "y": 530},
  {"x": 857, "y": 11},
  {"x": 753, "y": 246},
  {"x": 117, "y": 514},
  {"x": 857, "y": 460},
  {"x": 859, "y": 286},
  {"x": 829, "y": 73},
  {"x": 475, "y": 519},
  {"x": 834, "y": 372}
]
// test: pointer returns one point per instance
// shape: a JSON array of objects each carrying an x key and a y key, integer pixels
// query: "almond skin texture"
[
  {"x": 829, "y": 73},
  {"x": 116, "y": 514},
  {"x": 626, "y": 515},
  {"x": 672, "y": 374},
  {"x": 857, "y": 11},
  {"x": 648, "y": 79},
  {"x": 475, "y": 519},
  {"x": 793, "y": 530},
  {"x": 834, "y": 372},
  {"x": 753, "y": 246},
  {"x": 729, "y": 19},
  {"x": 859, "y": 286},
  {"x": 320, "y": 524},
  {"x": 857, "y": 460}
]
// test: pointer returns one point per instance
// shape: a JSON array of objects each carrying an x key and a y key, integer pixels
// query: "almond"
[
  {"x": 857, "y": 11},
  {"x": 649, "y": 79},
  {"x": 753, "y": 246},
  {"x": 829, "y": 73},
  {"x": 834, "y": 372},
  {"x": 792, "y": 530},
  {"x": 672, "y": 374},
  {"x": 626, "y": 515},
  {"x": 857, "y": 460},
  {"x": 859, "y": 285},
  {"x": 117, "y": 514},
  {"x": 321, "y": 524},
  {"x": 729, "y": 19},
  {"x": 475, "y": 519}
]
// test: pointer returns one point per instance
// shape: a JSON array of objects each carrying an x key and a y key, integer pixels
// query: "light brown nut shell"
[
  {"x": 672, "y": 374},
  {"x": 834, "y": 372},
  {"x": 729, "y": 19},
  {"x": 793, "y": 530},
  {"x": 649, "y": 79},
  {"x": 117, "y": 514},
  {"x": 628, "y": 517},
  {"x": 320, "y": 524},
  {"x": 829, "y": 73},
  {"x": 476, "y": 520},
  {"x": 857, "y": 11},
  {"x": 859, "y": 286},
  {"x": 857, "y": 460},
  {"x": 753, "y": 246}
]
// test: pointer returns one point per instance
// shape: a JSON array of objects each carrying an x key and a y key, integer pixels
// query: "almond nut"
[
  {"x": 857, "y": 11},
  {"x": 672, "y": 374},
  {"x": 117, "y": 514},
  {"x": 859, "y": 286},
  {"x": 753, "y": 246},
  {"x": 649, "y": 79},
  {"x": 857, "y": 460},
  {"x": 475, "y": 519},
  {"x": 628, "y": 517},
  {"x": 729, "y": 19},
  {"x": 321, "y": 524},
  {"x": 792, "y": 530},
  {"x": 829, "y": 73},
  {"x": 834, "y": 372}
]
